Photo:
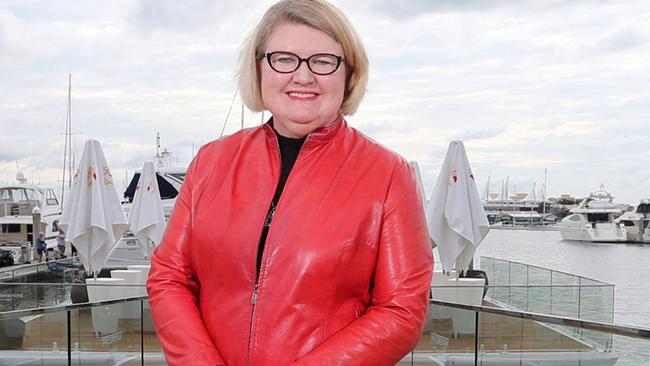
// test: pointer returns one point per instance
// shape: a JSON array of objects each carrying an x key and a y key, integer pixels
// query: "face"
[{"x": 301, "y": 101}]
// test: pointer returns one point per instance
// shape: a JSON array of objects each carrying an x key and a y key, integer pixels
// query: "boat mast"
[
  {"x": 67, "y": 144},
  {"x": 544, "y": 196}
]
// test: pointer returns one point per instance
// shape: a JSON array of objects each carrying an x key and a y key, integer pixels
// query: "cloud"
[
  {"x": 528, "y": 85},
  {"x": 476, "y": 134},
  {"x": 414, "y": 8},
  {"x": 624, "y": 39}
]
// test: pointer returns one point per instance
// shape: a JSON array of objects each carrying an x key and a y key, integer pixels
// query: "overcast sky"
[{"x": 527, "y": 85}]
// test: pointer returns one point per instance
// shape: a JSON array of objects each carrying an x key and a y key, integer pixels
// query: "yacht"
[
  {"x": 637, "y": 222},
  {"x": 594, "y": 220},
  {"x": 17, "y": 204}
]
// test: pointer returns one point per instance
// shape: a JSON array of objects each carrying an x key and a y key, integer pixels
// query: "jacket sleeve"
[
  {"x": 392, "y": 325},
  {"x": 173, "y": 289}
]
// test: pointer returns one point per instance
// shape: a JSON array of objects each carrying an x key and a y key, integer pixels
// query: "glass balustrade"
[
  {"x": 120, "y": 332},
  {"x": 530, "y": 316}
]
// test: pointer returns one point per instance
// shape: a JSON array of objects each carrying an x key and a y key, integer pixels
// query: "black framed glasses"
[{"x": 319, "y": 64}]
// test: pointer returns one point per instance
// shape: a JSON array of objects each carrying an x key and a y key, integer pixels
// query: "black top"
[{"x": 289, "y": 150}]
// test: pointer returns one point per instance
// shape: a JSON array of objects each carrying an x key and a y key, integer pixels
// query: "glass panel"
[
  {"x": 449, "y": 334},
  {"x": 501, "y": 280},
  {"x": 34, "y": 340},
  {"x": 535, "y": 289},
  {"x": 518, "y": 281},
  {"x": 596, "y": 301},
  {"x": 564, "y": 295},
  {"x": 153, "y": 351},
  {"x": 505, "y": 340},
  {"x": 108, "y": 334}
]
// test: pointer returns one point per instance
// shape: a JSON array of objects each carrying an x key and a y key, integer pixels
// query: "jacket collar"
[{"x": 318, "y": 137}]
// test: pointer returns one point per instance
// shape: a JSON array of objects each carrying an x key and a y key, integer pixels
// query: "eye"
[
  {"x": 323, "y": 61},
  {"x": 285, "y": 59}
]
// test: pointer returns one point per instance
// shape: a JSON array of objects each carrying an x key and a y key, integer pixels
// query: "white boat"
[
  {"x": 17, "y": 203},
  {"x": 637, "y": 222},
  {"x": 594, "y": 220}
]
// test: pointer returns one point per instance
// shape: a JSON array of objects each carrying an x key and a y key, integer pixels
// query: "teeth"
[{"x": 302, "y": 95}]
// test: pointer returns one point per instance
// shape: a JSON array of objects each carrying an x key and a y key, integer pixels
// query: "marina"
[{"x": 509, "y": 114}]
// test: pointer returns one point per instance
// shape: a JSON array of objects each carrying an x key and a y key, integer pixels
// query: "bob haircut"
[{"x": 318, "y": 14}]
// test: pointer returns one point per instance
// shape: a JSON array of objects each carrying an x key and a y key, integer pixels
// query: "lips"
[{"x": 302, "y": 95}]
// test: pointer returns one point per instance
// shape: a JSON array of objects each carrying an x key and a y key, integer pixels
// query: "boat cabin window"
[
  {"x": 643, "y": 208},
  {"x": 50, "y": 198},
  {"x": 627, "y": 223},
  {"x": 16, "y": 195},
  {"x": 167, "y": 190},
  {"x": 598, "y": 217},
  {"x": 10, "y": 228},
  {"x": 575, "y": 218}
]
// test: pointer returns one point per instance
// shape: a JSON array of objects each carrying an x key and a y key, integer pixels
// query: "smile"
[{"x": 298, "y": 95}]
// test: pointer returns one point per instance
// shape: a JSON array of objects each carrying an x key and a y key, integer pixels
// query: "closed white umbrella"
[
  {"x": 418, "y": 180},
  {"x": 455, "y": 215},
  {"x": 146, "y": 215},
  {"x": 92, "y": 216}
]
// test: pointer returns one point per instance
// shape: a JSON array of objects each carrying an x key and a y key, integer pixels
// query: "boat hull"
[{"x": 605, "y": 233}]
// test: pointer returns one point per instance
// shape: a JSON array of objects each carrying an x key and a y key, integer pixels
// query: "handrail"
[
  {"x": 71, "y": 284},
  {"x": 12, "y": 314},
  {"x": 623, "y": 330},
  {"x": 138, "y": 285},
  {"x": 37, "y": 264},
  {"x": 547, "y": 269}
]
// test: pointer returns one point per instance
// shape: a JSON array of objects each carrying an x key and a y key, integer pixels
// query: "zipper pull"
[
  {"x": 254, "y": 296},
  {"x": 269, "y": 217}
]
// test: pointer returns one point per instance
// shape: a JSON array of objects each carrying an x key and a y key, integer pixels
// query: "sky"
[{"x": 528, "y": 86}]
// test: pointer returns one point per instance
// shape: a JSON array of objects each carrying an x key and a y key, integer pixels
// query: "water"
[{"x": 624, "y": 265}]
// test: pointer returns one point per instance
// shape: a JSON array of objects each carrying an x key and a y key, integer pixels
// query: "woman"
[{"x": 299, "y": 242}]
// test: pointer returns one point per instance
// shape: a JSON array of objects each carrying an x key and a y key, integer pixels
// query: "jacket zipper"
[{"x": 267, "y": 224}]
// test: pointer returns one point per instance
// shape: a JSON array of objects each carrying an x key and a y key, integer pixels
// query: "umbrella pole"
[{"x": 90, "y": 265}]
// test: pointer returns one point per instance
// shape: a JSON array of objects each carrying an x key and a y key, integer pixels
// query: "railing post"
[
  {"x": 69, "y": 331},
  {"x": 579, "y": 296},
  {"x": 141, "y": 332},
  {"x": 527, "y": 288},
  {"x": 509, "y": 285},
  {"x": 476, "y": 338},
  {"x": 550, "y": 309}
]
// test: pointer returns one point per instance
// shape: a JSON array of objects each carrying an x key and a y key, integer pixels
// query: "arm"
[
  {"x": 173, "y": 289},
  {"x": 393, "y": 324}
]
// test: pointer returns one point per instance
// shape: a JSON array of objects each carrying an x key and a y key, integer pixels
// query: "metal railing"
[
  {"x": 540, "y": 290},
  {"x": 120, "y": 332}
]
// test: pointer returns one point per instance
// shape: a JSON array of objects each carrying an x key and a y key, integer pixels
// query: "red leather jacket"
[{"x": 346, "y": 268}]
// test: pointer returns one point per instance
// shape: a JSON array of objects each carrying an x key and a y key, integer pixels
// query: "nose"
[{"x": 303, "y": 75}]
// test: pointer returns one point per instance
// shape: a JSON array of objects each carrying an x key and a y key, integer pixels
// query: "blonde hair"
[{"x": 318, "y": 14}]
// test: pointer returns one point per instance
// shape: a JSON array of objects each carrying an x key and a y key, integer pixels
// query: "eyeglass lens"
[{"x": 320, "y": 63}]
